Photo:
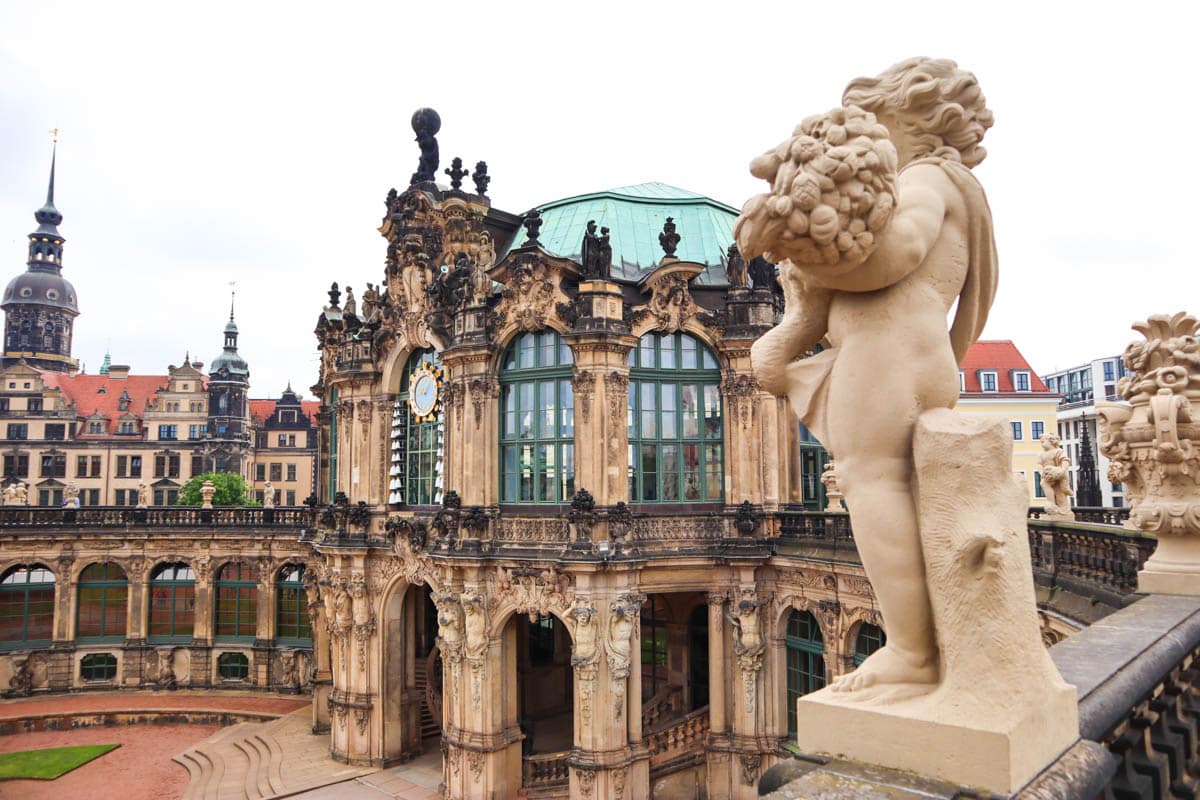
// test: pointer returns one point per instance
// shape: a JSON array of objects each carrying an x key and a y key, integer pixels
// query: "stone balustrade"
[
  {"x": 156, "y": 516},
  {"x": 677, "y": 739},
  {"x": 544, "y": 770}
]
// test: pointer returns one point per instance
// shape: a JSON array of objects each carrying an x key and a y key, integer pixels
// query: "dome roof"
[
  {"x": 634, "y": 216},
  {"x": 230, "y": 360},
  {"x": 41, "y": 288}
]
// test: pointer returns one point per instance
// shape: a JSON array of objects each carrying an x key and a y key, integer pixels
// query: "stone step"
[
  {"x": 274, "y": 760},
  {"x": 199, "y": 770},
  {"x": 249, "y": 782}
]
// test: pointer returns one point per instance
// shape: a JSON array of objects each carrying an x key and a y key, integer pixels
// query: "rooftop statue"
[
  {"x": 879, "y": 228},
  {"x": 426, "y": 123}
]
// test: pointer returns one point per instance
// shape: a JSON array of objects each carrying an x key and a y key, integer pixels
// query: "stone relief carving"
[
  {"x": 482, "y": 390},
  {"x": 751, "y": 764},
  {"x": 529, "y": 294},
  {"x": 740, "y": 390},
  {"x": 748, "y": 644},
  {"x": 584, "y": 385},
  {"x": 531, "y": 591},
  {"x": 587, "y": 781},
  {"x": 623, "y": 623},
  {"x": 475, "y": 624},
  {"x": 164, "y": 676},
  {"x": 20, "y": 684},
  {"x": 585, "y": 655}
]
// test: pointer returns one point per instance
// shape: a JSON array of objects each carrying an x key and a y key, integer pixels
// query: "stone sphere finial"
[{"x": 426, "y": 122}]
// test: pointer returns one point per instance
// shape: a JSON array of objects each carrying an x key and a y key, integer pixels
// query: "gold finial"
[{"x": 55, "y": 132}]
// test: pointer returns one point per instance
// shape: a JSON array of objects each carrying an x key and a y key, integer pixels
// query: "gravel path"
[{"x": 140, "y": 769}]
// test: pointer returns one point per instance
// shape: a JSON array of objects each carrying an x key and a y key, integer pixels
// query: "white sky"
[{"x": 256, "y": 142}]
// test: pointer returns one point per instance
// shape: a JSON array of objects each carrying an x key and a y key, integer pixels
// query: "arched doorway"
[{"x": 411, "y": 711}]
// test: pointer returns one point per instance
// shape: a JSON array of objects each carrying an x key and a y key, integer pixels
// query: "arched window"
[
  {"x": 291, "y": 616},
  {"x": 237, "y": 602},
  {"x": 418, "y": 434},
  {"x": 805, "y": 661},
  {"x": 537, "y": 414},
  {"x": 26, "y": 606},
  {"x": 103, "y": 603},
  {"x": 869, "y": 639},
  {"x": 674, "y": 421},
  {"x": 172, "y": 603}
]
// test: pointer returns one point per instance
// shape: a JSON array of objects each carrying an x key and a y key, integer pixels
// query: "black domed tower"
[
  {"x": 228, "y": 441},
  {"x": 39, "y": 305}
]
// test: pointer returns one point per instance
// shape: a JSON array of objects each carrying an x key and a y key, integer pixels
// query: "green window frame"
[
  {"x": 537, "y": 421},
  {"x": 676, "y": 435},
  {"x": 654, "y": 647},
  {"x": 172, "y": 614},
  {"x": 98, "y": 667},
  {"x": 333, "y": 443},
  {"x": 26, "y": 606},
  {"x": 233, "y": 667},
  {"x": 805, "y": 648},
  {"x": 869, "y": 639},
  {"x": 236, "y": 617},
  {"x": 418, "y": 445},
  {"x": 103, "y": 603},
  {"x": 292, "y": 625}
]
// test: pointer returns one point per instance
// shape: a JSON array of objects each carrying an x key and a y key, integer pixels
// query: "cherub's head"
[
  {"x": 936, "y": 107},
  {"x": 1049, "y": 441}
]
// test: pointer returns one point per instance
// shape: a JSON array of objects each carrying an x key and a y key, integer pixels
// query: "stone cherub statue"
[
  {"x": 268, "y": 495},
  {"x": 882, "y": 301},
  {"x": 143, "y": 495},
  {"x": 833, "y": 491},
  {"x": 1056, "y": 482},
  {"x": 879, "y": 228},
  {"x": 21, "y": 494}
]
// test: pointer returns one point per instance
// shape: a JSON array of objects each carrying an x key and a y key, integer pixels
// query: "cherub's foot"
[{"x": 886, "y": 667}]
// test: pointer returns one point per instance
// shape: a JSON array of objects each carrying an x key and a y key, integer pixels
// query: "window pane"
[
  {"x": 670, "y": 470},
  {"x": 691, "y": 412},
  {"x": 546, "y": 466},
  {"x": 691, "y": 472},
  {"x": 649, "y": 472},
  {"x": 666, "y": 352},
  {"x": 510, "y": 411},
  {"x": 526, "y": 473},
  {"x": 527, "y": 407},
  {"x": 546, "y": 428},
  {"x": 712, "y": 411},
  {"x": 567, "y": 490},
  {"x": 646, "y": 352},
  {"x": 670, "y": 418},
  {"x": 688, "y": 354},
  {"x": 566, "y": 404},
  {"x": 713, "y": 470},
  {"x": 708, "y": 360},
  {"x": 526, "y": 345}
]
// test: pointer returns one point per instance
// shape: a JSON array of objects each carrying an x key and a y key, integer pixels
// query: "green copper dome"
[{"x": 635, "y": 216}]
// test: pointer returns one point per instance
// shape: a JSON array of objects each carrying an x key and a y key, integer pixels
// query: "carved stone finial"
[
  {"x": 456, "y": 173},
  {"x": 1152, "y": 443},
  {"x": 335, "y": 295},
  {"x": 533, "y": 226},
  {"x": 481, "y": 178},
  {"x": 426, "y": 123},
  {"x": 669, "y": 239}
]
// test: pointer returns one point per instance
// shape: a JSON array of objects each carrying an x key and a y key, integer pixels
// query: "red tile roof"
[
  {"x": 261, "y": 410},
  {"x": 85, "y": 392},
  {"x": 1003, "y": 358}
]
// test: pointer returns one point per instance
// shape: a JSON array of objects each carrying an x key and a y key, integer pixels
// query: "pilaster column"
[
  {"x": 137, "y": 609},
  {"x": 202, "y": 620},
  {"x": 717, "y": 723}
]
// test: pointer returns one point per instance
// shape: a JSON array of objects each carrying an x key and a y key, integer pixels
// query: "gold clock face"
[{"x": 424, "y": 392}]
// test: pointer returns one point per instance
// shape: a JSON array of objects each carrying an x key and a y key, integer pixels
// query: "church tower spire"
[{"x": 39, "y": 305}]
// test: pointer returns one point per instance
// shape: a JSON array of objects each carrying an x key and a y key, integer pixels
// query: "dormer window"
[
  {"x": 987, "y": 381},
  {"x": 1020, "y": 381},
  {"x": 124, "y": 401}
]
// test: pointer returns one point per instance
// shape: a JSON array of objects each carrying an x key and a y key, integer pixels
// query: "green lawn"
[{"x": 48, "y": 764}]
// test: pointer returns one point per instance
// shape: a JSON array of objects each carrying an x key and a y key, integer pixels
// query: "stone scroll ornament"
[
  {"x": 879, "y": 228},
  {"x": 1152, "y": 439}
]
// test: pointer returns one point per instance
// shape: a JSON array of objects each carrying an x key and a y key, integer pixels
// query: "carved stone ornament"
[
  {"x": 587, "y": 781},
  {"x": 529, "y": 293},
  {"x": 740, "y": 390},
  {"x": 585, "y": 654},
  {"x": 751, "y": 764},
  {"x": 475, "y": 763},
  {"x": 671, "y": 304},
  {"x": 530, "y": 591},
  {"x": 1153, "y": 442},
  {"x": 748, "y": 644},
  {"x": 624, "y": 620},
  {"x": 584, "y": 385}
]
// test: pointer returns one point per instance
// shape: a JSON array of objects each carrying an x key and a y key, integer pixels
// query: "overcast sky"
[{"x": 255, "y": 142}]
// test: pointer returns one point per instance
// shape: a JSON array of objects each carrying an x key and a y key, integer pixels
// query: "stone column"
[
  {"x": 472, "y": 439},
  {"x": 202, "y": 621},
  {"x": 716, "y": 663},
  {"x": 137, "y": 575}
]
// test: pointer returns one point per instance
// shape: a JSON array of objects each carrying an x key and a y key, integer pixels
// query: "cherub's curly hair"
[{"x": 939, "y": 105}]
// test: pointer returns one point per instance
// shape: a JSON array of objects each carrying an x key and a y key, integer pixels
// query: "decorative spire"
[
  {"x": 104, "y": 365},
  {"x": 232, "y": 297},
  {"x": 45, "y": 244}
]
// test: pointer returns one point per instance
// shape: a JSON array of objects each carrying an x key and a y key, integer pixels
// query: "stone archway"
[{"x": 407, "y": 719}]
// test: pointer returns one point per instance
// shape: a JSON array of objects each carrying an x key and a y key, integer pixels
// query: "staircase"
[
  {"x": 430, "y": 725},
  {"x": 248, "y": 761}
]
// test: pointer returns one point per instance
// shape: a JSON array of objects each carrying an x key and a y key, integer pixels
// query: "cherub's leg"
[{"x": 883, "y": 516}]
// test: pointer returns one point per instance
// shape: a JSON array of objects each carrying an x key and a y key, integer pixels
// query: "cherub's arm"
[
  {"x": 902, "y": 246},
  {"x": 805, "y": 322}
]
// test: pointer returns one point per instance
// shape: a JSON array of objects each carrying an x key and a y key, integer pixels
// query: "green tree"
[{"x": 231, "y": 490}]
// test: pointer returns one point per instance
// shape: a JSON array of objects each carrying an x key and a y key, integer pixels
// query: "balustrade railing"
[
  {"x": 663, "y": 706},
  {"x": 1082, "y": 558},
  {"x": 154, "y": 516},
  {"x": 1093, "y": 514},
  {"x": 678, "y": 738},
  {"x": 544, "y": 770}
]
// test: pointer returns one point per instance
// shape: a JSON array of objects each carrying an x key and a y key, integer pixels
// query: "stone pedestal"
[{"x": 1000, "y": 711}]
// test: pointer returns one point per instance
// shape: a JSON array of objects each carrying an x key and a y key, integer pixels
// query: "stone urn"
[
  {"x": 1152, "y": 439},
  {"x": 207, "y": 490}
]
